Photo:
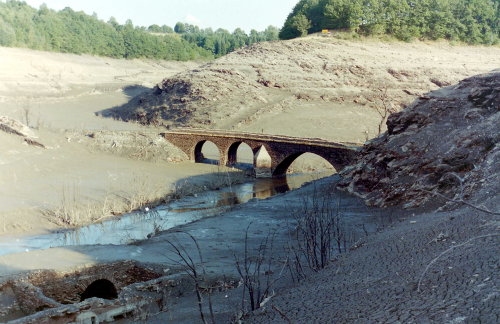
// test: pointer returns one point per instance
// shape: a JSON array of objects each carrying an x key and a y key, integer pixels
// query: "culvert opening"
[
  {"x": 101, "y": 288},
  {"x": 39, "y": 290},
  {"x": 106, "y": 280}
]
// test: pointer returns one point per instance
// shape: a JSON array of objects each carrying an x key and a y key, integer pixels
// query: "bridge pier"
[{"x": 262, "y": 163}]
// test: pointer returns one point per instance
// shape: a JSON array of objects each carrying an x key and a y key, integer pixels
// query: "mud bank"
[
  {"x": 401, "y": 266},
  {"x": 221, "y": 238},
  {"x": 434, "y": 267}
]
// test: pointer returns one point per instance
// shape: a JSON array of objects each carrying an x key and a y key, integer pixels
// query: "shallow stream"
[{"x": 142, "y": 224}]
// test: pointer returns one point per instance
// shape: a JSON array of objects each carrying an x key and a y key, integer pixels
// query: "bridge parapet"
[
  {"x": 259, "y": 136},
  {"x": 274, "y": 153}
]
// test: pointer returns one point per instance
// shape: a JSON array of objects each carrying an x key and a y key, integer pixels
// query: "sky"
[{"x": 227, "y": 14}]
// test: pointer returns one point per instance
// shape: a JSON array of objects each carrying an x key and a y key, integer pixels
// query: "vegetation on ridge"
[
  {"x": 470, "y": 21},
  {"x": 69, "y": 31},
  {"x": 221, "y": 41}
]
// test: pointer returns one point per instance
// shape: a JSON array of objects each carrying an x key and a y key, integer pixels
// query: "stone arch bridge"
[{"x": 273, "y": 154}]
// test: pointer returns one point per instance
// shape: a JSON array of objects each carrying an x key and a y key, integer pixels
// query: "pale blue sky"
[{"x": 228, "y": 14}]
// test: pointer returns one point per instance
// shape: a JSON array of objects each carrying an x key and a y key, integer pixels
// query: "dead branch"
[
  {"x": 446, "y": 251},
  {"x": 191, "y": 269},
  {"x": 461, "y": 201},
  {"x": 283, "y": 315}
]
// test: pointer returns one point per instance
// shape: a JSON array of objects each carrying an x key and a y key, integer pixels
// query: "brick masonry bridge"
[{"x": 273, "y": 154}]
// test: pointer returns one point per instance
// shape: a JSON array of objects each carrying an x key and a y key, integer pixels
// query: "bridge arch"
[
  {"x": 282, "y": 167},
  {"x": 234, "y": 148},
  {"x": 199, "y": 157}
]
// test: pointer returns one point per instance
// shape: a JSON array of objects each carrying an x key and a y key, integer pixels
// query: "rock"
[
  {"x": 430, "y": 146},
  {"x": 15, "y": 127},
  {"x": 440, "y": 83}
]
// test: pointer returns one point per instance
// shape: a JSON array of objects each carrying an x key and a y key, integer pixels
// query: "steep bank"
[
  {"x": 429, "y": 268},
  {"x": 445, "y": 143},
  {"x": 318, "y": 84}
]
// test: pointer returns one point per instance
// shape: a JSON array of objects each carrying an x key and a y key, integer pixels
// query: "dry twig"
[
  {"x": 446, "y": 251},
  {"x": 283, "y": 315}
]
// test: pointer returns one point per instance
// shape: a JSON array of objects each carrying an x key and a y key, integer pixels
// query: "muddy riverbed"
[
  {"x": 145, "y": 223},
  {"x": 218, "y": 220}
]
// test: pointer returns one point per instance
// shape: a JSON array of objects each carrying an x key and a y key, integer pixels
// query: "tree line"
[
  {"x": 69, "y": 31},
  {"x": 470, "y": 21},
  {"x": 220, "y": 42}
]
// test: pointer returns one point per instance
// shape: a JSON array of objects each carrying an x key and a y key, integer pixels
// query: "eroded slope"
[
  {"x": 446, "y": 142},
  {"x": 312, "y": 86}
]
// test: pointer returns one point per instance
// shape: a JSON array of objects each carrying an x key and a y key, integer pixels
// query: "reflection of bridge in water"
[
  {"x": 272, "y": 154},
  {"x": 262, "y": 189}
]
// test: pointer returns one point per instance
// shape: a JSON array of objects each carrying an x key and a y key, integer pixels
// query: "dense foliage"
[
  {"x": 221, "y": 41},
  {"x": 68, "y": 31},
  {"x": 471, "y": 21},
  {"x": 76, "y": 32}
]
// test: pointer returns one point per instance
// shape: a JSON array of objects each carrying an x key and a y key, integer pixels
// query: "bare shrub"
[
  {"x": 142, "y": 194},
  {"x": 196, "y": 271},
  {"x": 295, "y": 264},
  {"x": 27, "y": 114},
  {"x": 256, "y": 272},
  {"x": 75, "y": 210},
  {"x": 221, "y": 178},
  {"x": 319, "y": 232},
  {"x": 384, "y": 109},
  {"x": 185, "y": 188},
  {"x": 72, "y": 211}
]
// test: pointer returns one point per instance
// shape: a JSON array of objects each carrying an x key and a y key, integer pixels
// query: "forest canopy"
[
  {"x": 69, "y": 31},
  {"x": 221, "y": 41},
  {"x": 470, "y": 21}
]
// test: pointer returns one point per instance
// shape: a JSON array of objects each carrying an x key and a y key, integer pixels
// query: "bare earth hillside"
[
  {"x": 312, "y": 86},
  {"x": 29, "y": 74}
]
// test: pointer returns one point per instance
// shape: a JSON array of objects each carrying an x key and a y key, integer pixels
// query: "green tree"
[
  {"x": 271, "y": 33},
  {"x": 300, "y": 24},
  {"x": 180, "y": 28},
  {"x": 472, "y": 21},
  {"x": 76, "y": 32},
  {"x": 238, "y": 39},
  {"x": 113, "y": 22},
  {"x": 167, "y": 29},
  {"x": 343, "y": 14},
  {"x": 155, "y": 28},
  {"x": 7, "y": 34},
  {"x": 289, "y": 29},
  {"x": 253, "y": 37}
]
